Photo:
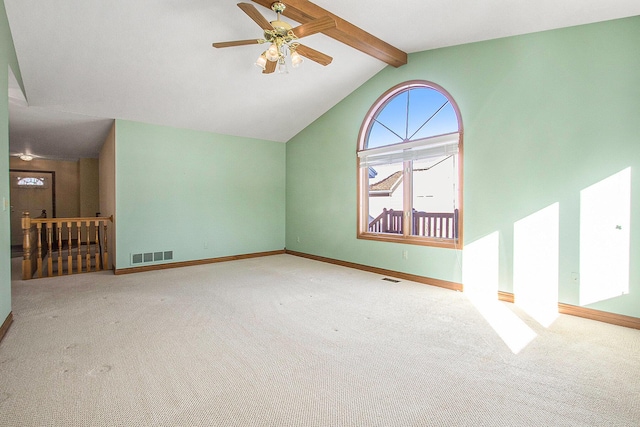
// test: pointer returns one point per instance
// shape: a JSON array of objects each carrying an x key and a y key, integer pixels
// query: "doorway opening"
[{"x": 33, "y": 192}]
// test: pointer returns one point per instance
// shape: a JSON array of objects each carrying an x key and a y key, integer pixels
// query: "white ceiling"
[{"x": 86, "y": 62}]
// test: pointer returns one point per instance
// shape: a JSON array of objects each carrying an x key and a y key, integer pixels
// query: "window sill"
[{"x": 412, "y": 240}]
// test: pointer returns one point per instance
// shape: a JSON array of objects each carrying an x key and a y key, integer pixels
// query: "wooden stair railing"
[{"x": 85, "y": 240}]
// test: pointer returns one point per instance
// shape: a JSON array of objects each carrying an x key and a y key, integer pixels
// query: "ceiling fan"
[{"x": 283, "y": 39}]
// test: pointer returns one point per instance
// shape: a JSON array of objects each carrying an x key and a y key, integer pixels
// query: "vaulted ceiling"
[{"x": 84, "y": 63}]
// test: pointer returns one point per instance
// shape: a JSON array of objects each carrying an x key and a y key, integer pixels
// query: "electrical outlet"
[
  {"x": 206, "y": 245},
  {"x": 405, "y": 254},
  {"x": 298, "y": 239}
]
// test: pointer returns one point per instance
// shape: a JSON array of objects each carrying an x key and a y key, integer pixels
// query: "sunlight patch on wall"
[
  {"x": 535, "y": 264},
  {"x": 480, "y": 276},
  {"x": 605, "y": 229},
  {"x": 480, "y": 268}
]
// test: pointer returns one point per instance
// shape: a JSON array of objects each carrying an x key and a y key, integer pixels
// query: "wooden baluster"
[
  {"x": 79, "y": 254},
  {"x": 105, "y": 254},
  {"x": 26, "y": 246},
  {"x": 39, "y": 230},
  {"x": 434, "y": 230},
  {"x": 88, "y": 254},
  {"x": 445, "y": 224},
  {"x": 50, "y": 246},
  {"x": 414, "y": 224},
  {"x": 59, "y": 249},
  {"x": 97, "y": 240},
  {"x": 70, "y": 246}
]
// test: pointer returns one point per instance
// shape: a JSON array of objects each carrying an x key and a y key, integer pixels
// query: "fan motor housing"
[{"x": 281, "y": 27}]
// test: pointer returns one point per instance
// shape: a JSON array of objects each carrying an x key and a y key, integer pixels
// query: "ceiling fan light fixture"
[
  {"x": 296, "y": 59},
  {"x": 273, "y": 53},
  {"x": 262, "y": 61},
  {"x": 26, "y": 157}
]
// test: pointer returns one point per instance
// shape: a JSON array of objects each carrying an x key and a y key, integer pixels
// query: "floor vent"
[
  {"x": 148, "y": 257},
  {"x": 391, "y": 280}
]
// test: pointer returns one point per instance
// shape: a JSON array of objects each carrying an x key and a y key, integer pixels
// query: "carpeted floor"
[{"x": 286, "y": 341}]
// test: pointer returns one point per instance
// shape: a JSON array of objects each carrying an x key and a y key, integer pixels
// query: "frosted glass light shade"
[
  {"x": 272, "y": 53},
  {"x": 296, "y": 59},
  {"x": 262, "y": 61}
]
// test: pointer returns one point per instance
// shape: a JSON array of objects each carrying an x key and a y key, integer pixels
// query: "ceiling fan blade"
[
  {"x": 315, "y": 26},
  {"x": 314, "y": 55},
  {"x": 257, "y": 17},
  {"x": 270, "y": 67},
  {"x": 236, "y": 43}
]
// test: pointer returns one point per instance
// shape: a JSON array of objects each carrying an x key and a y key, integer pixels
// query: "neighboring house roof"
[{"x": 387, "y": 185}]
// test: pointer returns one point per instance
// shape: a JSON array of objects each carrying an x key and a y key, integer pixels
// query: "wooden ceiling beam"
[{"x": 304, "y": 11}]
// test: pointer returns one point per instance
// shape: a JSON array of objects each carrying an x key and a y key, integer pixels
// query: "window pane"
[
  {"x": 394, "y": 115},
  {"x": 434, "y": 197},
  {"x": 445, "y": 121},
  {"x": 380, "y": 136},
  {"x": 31, "y": 182},
  {"x": 423, "y": 104},
  {"x": 385, "y": 199}
]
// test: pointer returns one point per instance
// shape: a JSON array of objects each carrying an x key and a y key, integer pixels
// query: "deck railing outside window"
[{"x": 440, "y": 225}]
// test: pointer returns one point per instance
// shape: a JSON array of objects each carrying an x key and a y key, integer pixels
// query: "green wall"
[
  {"x": 198, "y": 194},
  {"x": 545, "y": 116},
  {"x": 7, "y": 59}
]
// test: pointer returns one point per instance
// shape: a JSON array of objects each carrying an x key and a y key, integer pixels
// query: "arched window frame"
[{"x": 364, "y": 173}]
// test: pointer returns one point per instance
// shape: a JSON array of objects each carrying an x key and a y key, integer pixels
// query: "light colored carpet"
[{"x": 286, "y": 341}]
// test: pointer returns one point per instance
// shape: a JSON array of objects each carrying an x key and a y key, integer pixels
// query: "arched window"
[
  {"x": 31, "y": 181},
  {"x": 410, "y": 167}
]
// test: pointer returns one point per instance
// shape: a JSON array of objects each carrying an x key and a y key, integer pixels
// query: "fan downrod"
[{"x": 281, "y": 27}]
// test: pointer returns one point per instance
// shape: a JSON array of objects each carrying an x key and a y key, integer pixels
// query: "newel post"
[
  {"x": 385, "y": 221},
  {"x": 26, "y": 246}
]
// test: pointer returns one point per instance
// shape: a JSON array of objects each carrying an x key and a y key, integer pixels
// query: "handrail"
[
  {"x": 74, "y": 219},
  {"x": 86, "y": 236}
]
